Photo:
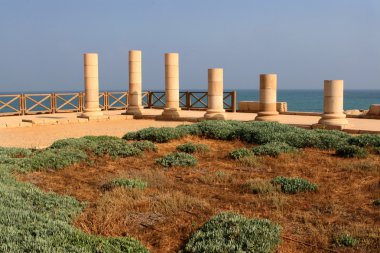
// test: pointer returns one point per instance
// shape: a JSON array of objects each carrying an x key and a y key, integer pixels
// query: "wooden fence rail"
[{"x": 26, "y": 104}]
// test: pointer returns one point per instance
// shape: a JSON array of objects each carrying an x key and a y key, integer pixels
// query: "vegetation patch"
[
  {"x": 259, "y": 186},
  {"x": 145, "y": 145},
  {"x": 230, "y": 232},
  {"x": 240, "y": 153},
  {"x": 34, "y": 221},
  {"x": 177, "y": 159},
  {"x": 193, "y": 148},
  {"x": 294, "y": 185},
  {"x": 273, "y": 149},
  {"x": 160, "y": 135},
  {"x": 365, "y": 140},
  {"x": 350, "y": 151},
  {"x": 345, "y": 240},
  {"x": 376, "y": 202},
  {"x": 125, "y": 182}
]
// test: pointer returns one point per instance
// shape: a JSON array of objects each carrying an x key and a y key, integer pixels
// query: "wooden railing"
[{"x": 26, "y": 104}]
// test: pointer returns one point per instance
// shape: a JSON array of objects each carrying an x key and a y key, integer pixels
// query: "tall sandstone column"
[
  {"x": 268, "y": 98},
  {"x": 135, "y": 83},
  {"x": 215, "y": 95},
  {"x": 91, "y": 86},
  {"x": 172, "y": 108},
  {"x": 333, "y": 114}
]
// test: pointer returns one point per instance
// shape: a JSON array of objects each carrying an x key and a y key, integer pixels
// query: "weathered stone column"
[
  {"x": 135, "y": 79},
  {"x": 333, "y": 104},
  {"x": 215, "y": 95},
  {"x": 91, "y": 87},
  {"x": 172, "y": 108},
  {"x": 268, "y": 98}
]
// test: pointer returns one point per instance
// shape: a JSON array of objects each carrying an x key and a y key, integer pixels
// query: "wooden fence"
[{"x": 26, "y": 104}]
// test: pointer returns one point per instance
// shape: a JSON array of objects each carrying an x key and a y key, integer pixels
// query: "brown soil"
[{"x": 179, "y": 200}]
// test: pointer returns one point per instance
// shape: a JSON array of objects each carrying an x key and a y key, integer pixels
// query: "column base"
[
  {"x": 134, "y": 110},
  {"x": 92, "y": 114},
  {"x": 170, "y": 113},
  {"x": 215, "y": 115},
  {"x": 333, "y": 120},
  {"x": 267, "y": 116}
]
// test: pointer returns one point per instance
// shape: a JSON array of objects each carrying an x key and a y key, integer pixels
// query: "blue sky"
[{"x": 303, "y": 41}]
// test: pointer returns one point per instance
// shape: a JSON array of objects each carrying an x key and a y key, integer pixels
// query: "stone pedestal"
[
  {"x": 135, "y": 83},
  {"x": 91, "y": 87},
  {"x": 171, "y": 110},
  {"x": 215, "y": 95},
  {"x": 268, "y": 98},
  {"x": 333, "y": 104}
]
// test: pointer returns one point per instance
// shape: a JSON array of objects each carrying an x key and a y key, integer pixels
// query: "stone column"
[
  {"x": 172, "y": 108},
  {"x": 135, "y": 79},
  {"x": 91, "y": 87},
  {"x": 268, "y": 98},
  {"x": 215, "y": 95},
  {"x": 333, "y": 104}
]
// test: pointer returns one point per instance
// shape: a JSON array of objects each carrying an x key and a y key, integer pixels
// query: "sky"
[{"x": 304, "y": 42}]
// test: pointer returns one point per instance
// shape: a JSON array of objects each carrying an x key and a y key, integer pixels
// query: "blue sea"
[
  {"x": 312, "y": 100},
  {"x": 298, "y": 100}
]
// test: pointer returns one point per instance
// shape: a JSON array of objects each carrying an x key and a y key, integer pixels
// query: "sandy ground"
[{"x": 39, "y": 136}]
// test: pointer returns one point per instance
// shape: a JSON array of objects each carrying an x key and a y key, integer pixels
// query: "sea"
[{"x": 297, "y": 100}]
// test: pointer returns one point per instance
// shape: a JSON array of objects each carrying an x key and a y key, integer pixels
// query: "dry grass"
[{"x": 179, "y": 200}]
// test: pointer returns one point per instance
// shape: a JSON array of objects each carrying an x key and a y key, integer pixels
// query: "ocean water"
[{"x": 312, "y": 100}]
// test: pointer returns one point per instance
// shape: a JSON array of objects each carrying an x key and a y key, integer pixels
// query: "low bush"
[
  {"x": 220, "y": 129},
  {"x": 349, "y": 151},
  {"x": 376, "y": 202},
  {"x": 145, "y": 145},
  {"x": 193, "y": 148},
  {"x": 239, "y": 153},
  {"x": 125, "y": 182},
  {"x": 160, "y": 135},
  {"x": 177, "y": 159},
  {"x": 294, "y": 185},
  {"x": 52, "y": 159},
  {"x": 365, "y": 140},
  {"x": 345, "y": 240},
  {"x": 75, "y": 143},
  {"x": 112, "y": 146},
  {"x": 259, "y": 186},
  {"x": 229, "y": 232},
  {"x": 15, "y": 152},
  {"x": 273, "y": 149}
]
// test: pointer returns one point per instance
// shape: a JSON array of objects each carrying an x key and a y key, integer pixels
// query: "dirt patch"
[{"x": 179, "y": 200}]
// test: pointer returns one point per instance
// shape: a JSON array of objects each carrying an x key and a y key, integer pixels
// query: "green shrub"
[
  {"x": 14, "y": 152},
  {"x": 229, "y": 233},
  {"x": 345, "y": 240},
  {"x": 273, "y": 149},
  {"x": 239, "y": 153},
  {"x": 192, "y": 148},
  {"x": 160, "y": 135},
  {"x": 145, "y": 145},
  {"x": 192, "y": 129},
  {"x": 177, "y": 159},
  {"x": 365, "y": 140},
  {"x": 219, "y": 129},
  {"x": 294, "y": 185},
  {"x": 112, "y": 146},
  {"x": 125, "y": 182},
  {"x": 75, "y": 143},
  {"x": 259, "y": 186},
  {"x": 376, "y": 202},
  {"x": 53, "y": 159},
  {"x": 349, "y": 151}
]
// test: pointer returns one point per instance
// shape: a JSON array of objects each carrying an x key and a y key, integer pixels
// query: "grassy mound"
[
  {"x": 349, "y": 151},
  {"x": 145, "y": 145},
  {"x": 192, "y": 148},
  {"x": 294, "y": 185},
  {"x": 35, "y": 221},
  {"x": 239, "y": 153},
  {"x": 125, "y": 182},
  {"x": 229, "y": 232},
  {"x": 177, "y": 159},
  {"x": 273, "y": 149}
]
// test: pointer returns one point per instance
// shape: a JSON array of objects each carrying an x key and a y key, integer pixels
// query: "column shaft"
[
  {"x": 172, "y": 108},
  {"x": 135, "y": 84},
  {"x": 215, "y": 94},
  {"x": 333, "y": 114},
  {"x": 268, "y": 98}
]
